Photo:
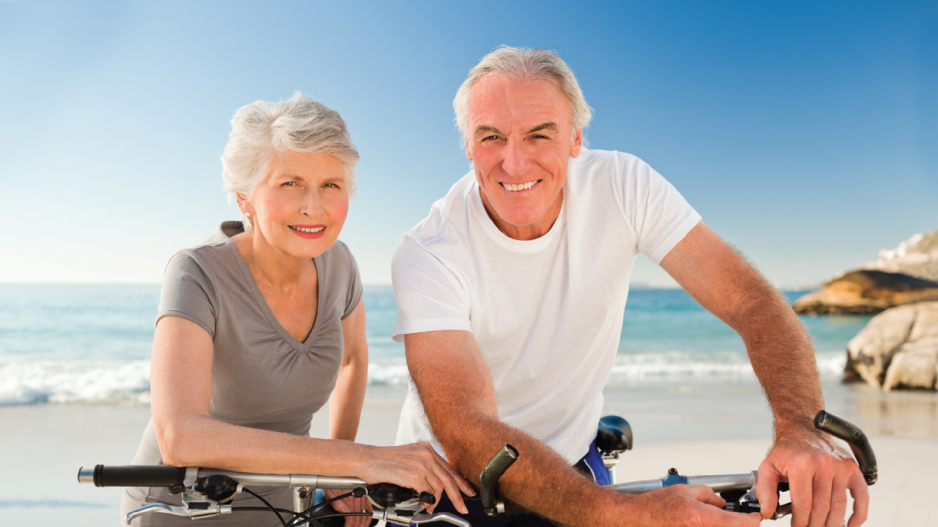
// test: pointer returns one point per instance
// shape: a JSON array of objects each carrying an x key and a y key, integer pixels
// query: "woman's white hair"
[
  {"x": 528, "y": 64},
  {"x": 261, "y": 130}
]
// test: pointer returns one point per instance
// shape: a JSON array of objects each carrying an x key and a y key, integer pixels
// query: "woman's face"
[{"x": 301, "y": 206}]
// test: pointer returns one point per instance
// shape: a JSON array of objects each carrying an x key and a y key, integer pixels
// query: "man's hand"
[
  {"x": 691, "y": 505},
  {"x": 819, "y": 473}
]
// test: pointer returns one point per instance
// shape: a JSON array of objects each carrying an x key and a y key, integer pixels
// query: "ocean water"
[{"x": 91, "y": 343}]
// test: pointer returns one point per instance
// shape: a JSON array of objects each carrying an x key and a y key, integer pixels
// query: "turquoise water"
[{"x": 62, "y": 343}]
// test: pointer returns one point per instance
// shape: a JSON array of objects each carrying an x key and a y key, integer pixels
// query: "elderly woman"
[{"x": 257, "y": 327}]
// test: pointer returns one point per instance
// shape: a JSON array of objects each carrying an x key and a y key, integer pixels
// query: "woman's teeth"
[{"x": 307, "y": 229}]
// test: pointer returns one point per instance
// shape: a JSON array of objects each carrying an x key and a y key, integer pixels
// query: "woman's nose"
[{"x": 312, "y": 205}]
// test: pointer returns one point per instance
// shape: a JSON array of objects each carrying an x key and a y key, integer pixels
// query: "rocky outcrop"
[
  {"x": 897, "y": 349},
  {"x": 917, "y": 256},
  {"x": 866, "y": 292}
]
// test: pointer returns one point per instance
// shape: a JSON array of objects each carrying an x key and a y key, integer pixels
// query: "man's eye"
[
  {"x": 489, "y": 138},
  {"x": 288, "y": 184}
]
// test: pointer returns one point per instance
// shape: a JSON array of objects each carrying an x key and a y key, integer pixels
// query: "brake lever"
[
  {"x": 424, "y": 517},
  {"x": 195, "y": 510}
]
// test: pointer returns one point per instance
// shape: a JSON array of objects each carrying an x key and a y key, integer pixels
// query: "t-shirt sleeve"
[
  {"x": 430, "y": 295},
  {"x": 659, "y": 213},
  {"x": 188, "y": 293},
  {"x": 354, "y": 289}
]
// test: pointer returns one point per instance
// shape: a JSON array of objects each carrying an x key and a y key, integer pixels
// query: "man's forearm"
[
  {"x": 535, "y": 480},
  {"x": 724, "y": 283},
  {"x": 464, "y": 417},
  {"x": 783, "y": 359}
]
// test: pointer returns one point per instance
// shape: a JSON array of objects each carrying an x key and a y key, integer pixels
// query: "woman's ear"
[{"x": 244, "y": 205}]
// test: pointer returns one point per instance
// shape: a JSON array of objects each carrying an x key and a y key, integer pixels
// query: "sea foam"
[{"x": 73, "y": 381}]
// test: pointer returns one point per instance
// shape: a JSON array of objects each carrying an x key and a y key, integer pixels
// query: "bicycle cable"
[{"x": 267, "y": 503}]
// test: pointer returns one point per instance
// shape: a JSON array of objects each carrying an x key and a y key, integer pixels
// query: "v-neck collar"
[{"x": 262, "y": 304}]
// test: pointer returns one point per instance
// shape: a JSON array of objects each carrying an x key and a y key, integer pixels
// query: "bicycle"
[{"x": 206, "y": 492}]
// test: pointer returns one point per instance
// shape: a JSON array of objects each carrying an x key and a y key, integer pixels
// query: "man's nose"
[{"x": 516, "y": 161}]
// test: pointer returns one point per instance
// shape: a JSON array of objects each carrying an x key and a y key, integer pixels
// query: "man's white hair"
[
  {"x": 528, "y": 64},
  {"x": 261, "y": 130}
]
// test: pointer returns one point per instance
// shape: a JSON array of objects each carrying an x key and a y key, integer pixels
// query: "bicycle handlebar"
[
  {"x": 859, "y": 444},
  {"x": 131, "y": 476},
  {"x": 719, "y": 483},
  {"x": 165, "y": 476},
  {"x": 737, "y": 489}
]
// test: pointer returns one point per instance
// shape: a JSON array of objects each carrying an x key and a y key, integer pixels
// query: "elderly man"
[{"x": 512, "y": 294}]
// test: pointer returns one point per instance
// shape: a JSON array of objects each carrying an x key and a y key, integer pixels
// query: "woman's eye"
[{"x": 331, "y": 185}]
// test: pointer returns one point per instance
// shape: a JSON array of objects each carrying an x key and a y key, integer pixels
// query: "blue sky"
[{"x": 806, "y": 133}]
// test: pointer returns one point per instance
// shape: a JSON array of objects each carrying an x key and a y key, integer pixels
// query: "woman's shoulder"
[
  {"x": 338, "y": 265},
  {"x": 339, "y": 274},
  {"x": 212, "y": 260},
  {"x": 338, "y": 254}
]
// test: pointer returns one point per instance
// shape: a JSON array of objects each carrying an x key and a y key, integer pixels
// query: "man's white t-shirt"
[{"x": 546, "y": 313}]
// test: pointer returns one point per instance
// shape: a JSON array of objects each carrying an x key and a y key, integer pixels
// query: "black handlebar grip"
[
  {"x": 135, "y": 476},
  {"x": 488, "y": 481},
  {"x": 859, "y": 444},
  {"x": 426, "y": 497}
]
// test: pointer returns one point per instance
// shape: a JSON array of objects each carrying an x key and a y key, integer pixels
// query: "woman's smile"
[{"x": 308, "y": 231}]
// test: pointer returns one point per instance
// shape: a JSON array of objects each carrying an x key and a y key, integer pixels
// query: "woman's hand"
[
  {"x": 350, "y": 504},
  {"x": 416, "y": 466}
]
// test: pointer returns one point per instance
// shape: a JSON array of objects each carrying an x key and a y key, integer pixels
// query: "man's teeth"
[
  {"x": 520, "y": 186},
  {"x": 307, "y": 229}
]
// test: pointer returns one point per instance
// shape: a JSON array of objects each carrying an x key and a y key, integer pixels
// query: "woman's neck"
[{"x": 270, "y": 266}]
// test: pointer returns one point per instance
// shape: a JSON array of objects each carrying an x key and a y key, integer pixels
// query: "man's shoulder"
[
  {"x": 600, "y": 161},
  {"x": 447, "y": 214},
  {"x": 603, "y": 172}
]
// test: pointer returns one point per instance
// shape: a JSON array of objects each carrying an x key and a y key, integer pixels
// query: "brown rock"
[
  {"x": 913, "y": 366},
  {"x": 897, "y": 349},
  {"x": 866, "y": 292},
  {"x": 870, "y": 352}
]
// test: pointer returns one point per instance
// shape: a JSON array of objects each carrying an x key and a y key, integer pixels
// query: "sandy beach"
[{"x": 43, "y": 446}]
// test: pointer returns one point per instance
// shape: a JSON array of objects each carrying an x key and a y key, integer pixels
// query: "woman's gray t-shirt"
[{"x": 262, "y": 377}]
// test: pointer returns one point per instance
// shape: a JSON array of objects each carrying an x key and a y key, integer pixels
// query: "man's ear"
[
  {"x": 577, "y": 143},
  {"x": 468, "y": 151}
]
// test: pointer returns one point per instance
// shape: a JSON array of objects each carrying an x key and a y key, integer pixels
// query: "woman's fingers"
[
  {"x": 451, "y": 482},
  {"x": 350, "y": 505},
  {"x": 419, "y": 467},
  {"x": 461, "y": 482}
]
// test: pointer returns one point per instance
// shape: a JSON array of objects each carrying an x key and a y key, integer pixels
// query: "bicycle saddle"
[{"x": 614, "y": 434}]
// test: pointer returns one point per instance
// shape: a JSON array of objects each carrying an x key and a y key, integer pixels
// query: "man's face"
[{"x": 520, "y": 138}]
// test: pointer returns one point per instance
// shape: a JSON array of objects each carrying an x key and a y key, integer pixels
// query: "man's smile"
[{"x": 519, "y": 186}]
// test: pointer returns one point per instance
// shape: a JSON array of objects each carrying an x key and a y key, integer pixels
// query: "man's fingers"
[
  {"x": 838, "y": 503},
  {"x": 766, "y": 489},
  {"x": 802, "y": 492},
  {"x": 821, "y": 488},
  {"x": 861, "y": 500},
  {"x": 706, "y": 495}
]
